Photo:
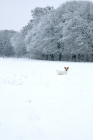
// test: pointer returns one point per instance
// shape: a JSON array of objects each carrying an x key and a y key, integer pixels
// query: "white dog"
[{"x": 63, "y": 72}]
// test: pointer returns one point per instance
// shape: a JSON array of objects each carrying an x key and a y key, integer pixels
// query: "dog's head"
[{"x": 66, "y": 68}]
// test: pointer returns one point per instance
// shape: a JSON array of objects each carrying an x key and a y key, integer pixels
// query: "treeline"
[{"x": 65, "y": 30}]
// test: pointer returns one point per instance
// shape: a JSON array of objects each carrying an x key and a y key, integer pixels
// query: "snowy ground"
[{"x": 38, "y": 104}]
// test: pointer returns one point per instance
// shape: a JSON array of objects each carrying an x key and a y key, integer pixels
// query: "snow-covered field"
[{"x": 38, "y": 104}]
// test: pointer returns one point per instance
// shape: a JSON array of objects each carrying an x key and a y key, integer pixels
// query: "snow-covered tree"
[
  {"x": 18, "y": 44},
  {"x": 78, "y": 25},
  {"x": 67, "y": 29},
  {"x": 6, "y": 48},
  {"x": 32, "y": 36},
  {"x": 38, "y": 12}
]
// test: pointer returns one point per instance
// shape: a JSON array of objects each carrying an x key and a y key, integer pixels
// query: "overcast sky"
[{"x": 15, "y": 14}]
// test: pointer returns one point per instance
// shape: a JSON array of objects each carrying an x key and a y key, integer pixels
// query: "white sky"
[{"x": 15, "y": 14}]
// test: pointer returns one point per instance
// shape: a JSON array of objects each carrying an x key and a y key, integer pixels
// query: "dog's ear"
[{"x": 65, "y": 68}]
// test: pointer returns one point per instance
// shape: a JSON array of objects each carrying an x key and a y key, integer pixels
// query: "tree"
[
  {"x": 18, "y": 44},
  {"x": 31, "y": 37},
  {"x": 78, "y": 25},
  {"x": 67, "y": 29},
  {"x": 6, "y": 48},
  {"x": 38, "y": 12}
]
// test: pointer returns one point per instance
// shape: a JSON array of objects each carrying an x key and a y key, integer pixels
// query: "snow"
[{"x": 38, "y": 104}]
